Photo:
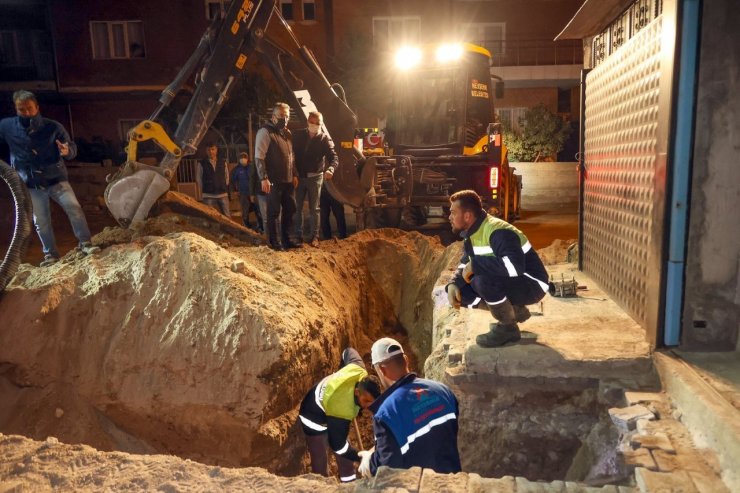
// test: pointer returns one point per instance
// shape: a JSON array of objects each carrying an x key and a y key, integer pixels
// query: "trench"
[{"x": 381, "y": 283}]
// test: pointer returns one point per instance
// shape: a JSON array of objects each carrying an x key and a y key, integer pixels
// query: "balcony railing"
[{"x": 519, "y": 52}]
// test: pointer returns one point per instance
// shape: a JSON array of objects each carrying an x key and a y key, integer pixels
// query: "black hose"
[{"x": 22, "y": 227}]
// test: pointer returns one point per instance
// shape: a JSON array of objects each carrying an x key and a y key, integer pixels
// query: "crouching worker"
[
  {"x": 414, "y": 420},
  {"x": 498, "y": 266},
  {"x": 328, "y": 410}
]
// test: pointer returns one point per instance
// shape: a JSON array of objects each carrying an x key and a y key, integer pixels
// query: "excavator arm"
[{"x": 250, "y": 28}]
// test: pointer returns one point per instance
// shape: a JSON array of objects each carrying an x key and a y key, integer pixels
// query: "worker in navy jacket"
[
  {"x": 414, "y": 419},
  {"x": 499, "y": 266}
]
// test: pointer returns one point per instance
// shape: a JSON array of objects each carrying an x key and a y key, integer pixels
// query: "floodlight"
[
  {"x": 408, "y": 57},
  {"x": 449, "y": 53}
]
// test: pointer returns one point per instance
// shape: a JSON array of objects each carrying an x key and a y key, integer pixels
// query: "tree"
[{"x": 544, "y": 134}]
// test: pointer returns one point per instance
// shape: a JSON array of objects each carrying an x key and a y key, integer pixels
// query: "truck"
[
  {"x": 453, "y": 147},
  {"x": 440, "y": 137}
]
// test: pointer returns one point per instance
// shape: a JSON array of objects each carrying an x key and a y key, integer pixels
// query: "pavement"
[{"x": 586, "y": 336}]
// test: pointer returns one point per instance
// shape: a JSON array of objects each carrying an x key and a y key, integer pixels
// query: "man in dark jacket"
[
  {"x": 38, "y": 147},
  {"x": 498, "y": 266},
  {"x": 213, "y": 181},
  {"x": 328, "y": 410},
  {"x": 273, "y": 155},
  {"x": 316, "y": 161},
  {"x": 415, "y": 420}
]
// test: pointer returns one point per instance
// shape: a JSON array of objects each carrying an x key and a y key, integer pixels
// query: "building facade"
[{"x": 99, "y": 68}]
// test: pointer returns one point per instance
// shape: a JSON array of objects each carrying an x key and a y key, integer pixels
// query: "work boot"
[
  {"x": 521, "y": 313},
  {"x": 277, "y": 246},
  {"x": 315, "y": 242},
  {"x": 288, "y": 243},
  {"x": 48, "y": 260},
  {"x": 503, "y": 332},
  {"x": 498, "y": 335}
]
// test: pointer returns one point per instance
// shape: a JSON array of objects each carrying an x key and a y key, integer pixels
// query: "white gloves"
[{"x": 364, "y": 469}]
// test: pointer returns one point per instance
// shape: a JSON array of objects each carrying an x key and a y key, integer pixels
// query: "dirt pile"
[
  {"x": 174, "y": 344},
  {"x": 559, "y": 251},
  {"x": 27, "y": 465}
]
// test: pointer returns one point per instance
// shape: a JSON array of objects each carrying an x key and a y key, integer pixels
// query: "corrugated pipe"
[{"x": 22, "y": 227}]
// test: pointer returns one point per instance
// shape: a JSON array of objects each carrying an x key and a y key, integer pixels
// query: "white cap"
[{"x": 384, "y": 349}]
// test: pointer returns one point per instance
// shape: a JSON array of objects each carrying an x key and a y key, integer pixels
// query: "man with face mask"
[
  {"x": 273, "y": 155},
  {"x": 316, "y": 161},
  {"x": 499, "y": 267},
  {"x": 38, "y": 148}
]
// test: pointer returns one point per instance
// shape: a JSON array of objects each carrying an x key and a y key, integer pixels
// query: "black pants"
[
  {"x": 330, "y": 205},
  {"x": 317, "y": 441},
  {"x": 280, "y": 204},
  {"x": 520, "y": 290}
]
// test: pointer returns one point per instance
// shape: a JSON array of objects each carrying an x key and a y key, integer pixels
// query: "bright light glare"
[
  {"x": 449, "y": 53},
  {"x": 408, "y": 57}
]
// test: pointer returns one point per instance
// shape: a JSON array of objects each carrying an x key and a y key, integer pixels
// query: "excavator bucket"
[{"x": 129, "y": 198}]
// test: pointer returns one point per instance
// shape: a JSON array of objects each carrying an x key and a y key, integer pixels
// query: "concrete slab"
[
  {"x": 588, "y": 336},
  {"x": 712, "y": 421}
]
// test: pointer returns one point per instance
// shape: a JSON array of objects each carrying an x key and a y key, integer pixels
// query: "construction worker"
[
  {"x": 498, "y": 266},
  {"x": 414, "y": 420},
  {"x": 328, "y": 410}
]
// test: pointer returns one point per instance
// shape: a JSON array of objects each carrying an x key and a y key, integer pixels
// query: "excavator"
[
  {"x": 444, "y": 143},
  {"x": 248, "y": 29}
]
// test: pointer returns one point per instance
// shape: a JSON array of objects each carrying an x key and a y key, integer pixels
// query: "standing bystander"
[
  {"x": 38, "y": 148},
  {"x": 213, "y": 181},
  {"x": 316, "y": 161},
  {"x": 273, "y": 157}
]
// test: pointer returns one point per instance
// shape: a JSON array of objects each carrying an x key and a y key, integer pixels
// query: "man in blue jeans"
[
  {"x": 316, "y": 161},
  {"x": 37, "y": 149}
]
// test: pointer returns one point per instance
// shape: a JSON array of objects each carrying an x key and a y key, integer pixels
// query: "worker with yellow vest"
[
  {"x": 328, "y": 410},
  {"x": 498, "y": 266}
]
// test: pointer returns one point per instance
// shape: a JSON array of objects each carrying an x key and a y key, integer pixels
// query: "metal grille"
[
  {"x": 637, "y": 16},
  {"x": 621, "y": 121},
  {"x": 186, "y": 170}
]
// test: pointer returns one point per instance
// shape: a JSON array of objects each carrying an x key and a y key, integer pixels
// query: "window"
[
  {"x": 309, "y": 10},
  {"x": 512, "y": 118},
  {"x": 490, "y": 35},
  {"x": 117, "y": 40},
  {"x": 389, "y": 32},
  {"x": 286, "y": 8},
  {"x": 216, "y": 9},
  {"x": 15, "y": 49}
]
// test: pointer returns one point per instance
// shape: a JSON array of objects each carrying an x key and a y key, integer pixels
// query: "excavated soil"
[{"x": 188, "y": 338}]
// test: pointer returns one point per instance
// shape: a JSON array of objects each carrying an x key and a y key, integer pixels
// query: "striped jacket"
[
  {"x": 498, "y": 249},
  {"x": 415, "y": 424}
]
